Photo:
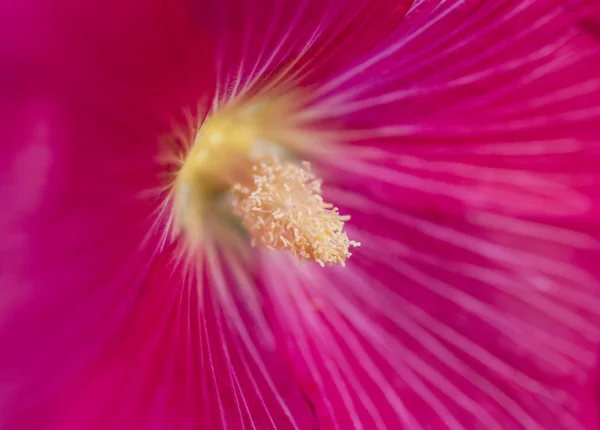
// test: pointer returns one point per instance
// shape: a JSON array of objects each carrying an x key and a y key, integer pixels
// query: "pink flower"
[{"x": 462, "y": 137}]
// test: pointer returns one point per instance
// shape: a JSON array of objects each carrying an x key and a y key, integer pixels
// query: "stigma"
[{"x": 246, "y": 156}]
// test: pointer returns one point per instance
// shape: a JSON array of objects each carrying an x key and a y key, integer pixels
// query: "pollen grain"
[{"x": 282, "y": 208}]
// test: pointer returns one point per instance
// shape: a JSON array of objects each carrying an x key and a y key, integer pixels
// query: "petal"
[
  {"x": 87, "y": 91},
  {"x": 182, "y": 361},
  {"x": 411, "y": 337},
  {"x": 470, "y": 171},
  {"x": 261, "y": 43},
  {"x": 508, "y": 124},
  {"x": 587, "y": 12}
]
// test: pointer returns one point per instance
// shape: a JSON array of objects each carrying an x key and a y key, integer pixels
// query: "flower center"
[
  {"x": 283, "y": 209},
  {"x": 244, "y": 155}
]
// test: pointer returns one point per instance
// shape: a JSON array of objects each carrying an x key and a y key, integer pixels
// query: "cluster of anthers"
[
  {"x": 283, "y": 209},
  {"x": 280, "y": 203}
]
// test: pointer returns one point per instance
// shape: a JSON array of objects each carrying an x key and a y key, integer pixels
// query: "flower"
[{"x": 461, "y": 137}]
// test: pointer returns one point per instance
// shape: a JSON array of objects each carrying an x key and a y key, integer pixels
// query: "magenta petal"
[
  {"x": 587, "y": 12},
  {"x": 471, "y": 177},
  {"x": 478, "y": 120},
  {"x": 304, "y": 41},
  {"x": 180, "y": 363},
  {"x": 87, "y": 91},
  {"x": 420, "y": 338},
  {"x": 470, "y": 172}
]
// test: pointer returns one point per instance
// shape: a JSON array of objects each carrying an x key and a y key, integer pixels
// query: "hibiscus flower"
[{"x": 269, "y": 214}]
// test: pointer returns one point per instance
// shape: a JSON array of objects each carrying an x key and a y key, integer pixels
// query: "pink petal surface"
[
  {"x": 473, "y": 185},
  {"x": 470, "y": 170},
  {"x": 87, "y": 90},
  {"x": 587, "y": 12},
  {"x": 175, "y": 366},
  {"x": 260, "y": 41}
]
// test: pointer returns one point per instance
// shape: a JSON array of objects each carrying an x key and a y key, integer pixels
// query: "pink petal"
[
  {"x": 471, "y": 176},
  {"x": 478, "y": 120},
  {"x": 260, "y": 42},
  {"x": 587, "y": 12},
  {"x": 472, "y": 302},
  {"x": 180, "y": 362},
  {"x": 87, "y": 91},
  {"x": 412, "y": 337}
]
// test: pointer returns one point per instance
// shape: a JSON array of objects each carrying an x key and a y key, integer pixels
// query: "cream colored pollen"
[{"x": 282, "y": 208}]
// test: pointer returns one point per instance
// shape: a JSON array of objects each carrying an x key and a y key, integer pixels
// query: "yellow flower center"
[
  {"x": 245, "y": 153},
  {"x": 283, "y": 209}
]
